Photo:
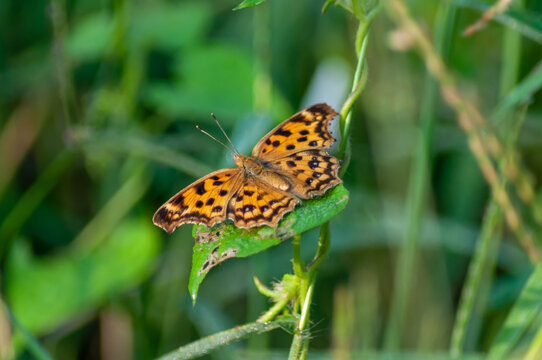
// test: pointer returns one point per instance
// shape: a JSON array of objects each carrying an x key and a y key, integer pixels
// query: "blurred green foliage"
[{"x": 98, "y": 102}]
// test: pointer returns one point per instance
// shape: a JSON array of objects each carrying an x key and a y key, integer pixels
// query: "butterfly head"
[
  {"x": 240, "y": 160},
  {"x": 247, "y": 163}
]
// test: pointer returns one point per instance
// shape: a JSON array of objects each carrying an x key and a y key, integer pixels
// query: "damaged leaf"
[{"x": 224, "y": 241}]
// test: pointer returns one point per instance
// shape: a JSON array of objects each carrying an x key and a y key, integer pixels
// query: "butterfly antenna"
[
  {"x": 215, "y": 139},
  {"x": 223, "y": 132}
]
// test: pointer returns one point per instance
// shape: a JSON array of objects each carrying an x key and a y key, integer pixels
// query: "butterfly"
[{"x": 287, "y": 165}]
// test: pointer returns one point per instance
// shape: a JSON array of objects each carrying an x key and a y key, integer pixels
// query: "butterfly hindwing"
[
  {"x": 308, "y": 129},
  {"x": 256, "y": 203},
  {"x": 203, "y": 202},
  {"x": 311, "y": 172}
]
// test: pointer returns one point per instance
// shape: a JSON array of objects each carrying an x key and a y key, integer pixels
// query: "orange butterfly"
[{"x": 286, "y": 165}]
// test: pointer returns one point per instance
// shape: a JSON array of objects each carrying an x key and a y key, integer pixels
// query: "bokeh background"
[{"x": 98, "y": 106}]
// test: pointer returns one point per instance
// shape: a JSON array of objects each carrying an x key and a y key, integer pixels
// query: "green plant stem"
[
  {"x": 535, "y": 349},
  {"x": 62, "y": 66},
  {"x": 322, "y": 249},
  {"x": 299, "y": 346},
  {"x": 298, "y": 262},
  {"x": 30, "y": 342},
  {"x": 274, "y": 310},
  {"x": 522, "y": 317},
  {"x": 264, "y": 290},
  {"x": 418, "y": 185},
  {"x": 474, "y": 294},
  {"x": 360, "y": 79},
  {"x": 212, "y": 342},
  {"x": 299, "y": 271},
  {"x": 479, "y": 266}
]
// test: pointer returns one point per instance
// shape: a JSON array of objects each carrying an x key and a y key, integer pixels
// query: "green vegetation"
[{"x": 429, "y": 250}]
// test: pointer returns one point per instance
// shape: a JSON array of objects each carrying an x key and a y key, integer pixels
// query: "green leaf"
[
  {"x": 45, "y": 293},
  {"x": 520, "y": 318},
  {"x": 205, "y": 79},
  {"x": 89, "y": 38},
  {"x": 169, "y": 26},
  {"x": 226, "y": 241},
  {"x": 248, "y": 3},
  {"x": 520, "y": 93},
  {"x": 526, "y": 22},
  {"x": 161, "y": 26}
]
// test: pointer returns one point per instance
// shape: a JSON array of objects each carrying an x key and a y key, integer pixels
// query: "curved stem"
[
  {"x": 299, "y": 346},
  {"x": 298, "y": 262},
  {"x": 274, "y": 310},
  {"x": 358, "y": 84}
]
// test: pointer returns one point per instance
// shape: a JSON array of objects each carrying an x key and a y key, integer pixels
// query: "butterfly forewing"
[
  {"x": 256, "y": 203},
  {"x": 310, "y": 172},
  {"x": 203, "y": 202},
  {"x": 308, "y": 129}
]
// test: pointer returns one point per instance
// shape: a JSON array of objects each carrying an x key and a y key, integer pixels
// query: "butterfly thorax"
[{"x": 258, "y": 168}]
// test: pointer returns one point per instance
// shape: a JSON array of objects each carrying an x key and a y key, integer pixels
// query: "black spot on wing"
[
  {"x": 271, "y": 217},
  {"x": 297, "y": 118},
  {"x": 161, "y": 215},
  {"x": 282, "y": 132},
  {"x": 177, "y": 199},
  {"x": 313, "y": 164},
  {"x": 200, "y": 188},
  {"x": 248, "y": 208},
  {"x": 195, "y": 216}
]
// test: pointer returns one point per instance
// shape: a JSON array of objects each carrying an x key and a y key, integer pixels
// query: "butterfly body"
[
  {"x": 287, "y": 165},
  {"x": 260, "y": 169}
]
